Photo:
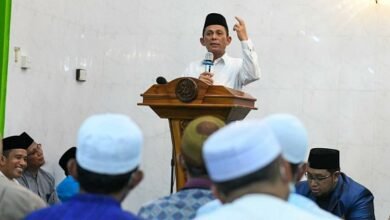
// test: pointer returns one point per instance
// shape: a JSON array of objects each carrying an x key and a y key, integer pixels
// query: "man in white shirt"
[
  {"x": 250, "y": 176},
  {"x": 227, "y": 71},
  {"x": 293, "y": 140},
  {"x": 14, "y": 158},
  {"x": 15, "y": 200}
]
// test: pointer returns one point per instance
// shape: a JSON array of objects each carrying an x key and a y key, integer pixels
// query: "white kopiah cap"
[
  {"x": 291, "y": 134},
  {"x": 239, "y": 149},
  {"x": 109, "y": 144}
]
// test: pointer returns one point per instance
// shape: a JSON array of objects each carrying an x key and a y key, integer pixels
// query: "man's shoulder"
[
  {"x": 16, "y": 200},
  {"x": 259, "y": 207},
  {"x": 307, "y": 204},
  {"x": 183, "y": 203},
  {"x": 17, "y": 191},
  {"x": 302, "y": 188},
  {"x": 353, "y": 189},
  {"x": 183, "y": 196},
  {"x": 77, "y": 208},
  {"x": 46, "y": 174}
]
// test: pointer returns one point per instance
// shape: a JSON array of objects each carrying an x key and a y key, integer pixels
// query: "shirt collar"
[
  {"x": 223, "y": 59},
  {"x": 201, "y": 183},
  {"x": 93, "y": 198},
  {"x": 13, "y": 180}
]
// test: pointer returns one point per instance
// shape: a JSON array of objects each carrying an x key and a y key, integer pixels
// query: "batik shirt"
[{"x": 180, "y": 205}]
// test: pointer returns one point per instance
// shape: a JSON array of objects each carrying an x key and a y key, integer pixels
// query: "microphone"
[
  {"x": 208, "y": 62},
  {"x": 161, "y": 80}
]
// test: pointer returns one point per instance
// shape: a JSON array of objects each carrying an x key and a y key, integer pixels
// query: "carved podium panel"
[{"x": 184, "y": 99}]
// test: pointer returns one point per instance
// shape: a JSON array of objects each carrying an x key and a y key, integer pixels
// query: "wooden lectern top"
[{"x": 187, "y": 98}]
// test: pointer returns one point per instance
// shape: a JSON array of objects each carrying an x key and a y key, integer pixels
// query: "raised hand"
[{"x": 240, "y": 29}]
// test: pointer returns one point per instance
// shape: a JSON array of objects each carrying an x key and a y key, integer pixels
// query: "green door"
[{"x": 5, "y": 18}]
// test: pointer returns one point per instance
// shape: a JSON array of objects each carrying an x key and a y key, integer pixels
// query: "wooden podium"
[{"x": 184, "y": 99}]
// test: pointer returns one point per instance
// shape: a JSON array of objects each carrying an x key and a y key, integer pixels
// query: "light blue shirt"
[
  {"x": 67, "y": 188},
  {"x": 309, "y": 206},
  {"x": 259, "y": 206},
  {"x": 294, "y": 199}
]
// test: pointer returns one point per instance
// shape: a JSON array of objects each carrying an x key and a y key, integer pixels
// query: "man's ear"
[
  {"x": 72, "y": 168},
  {"x": 217, "y": 194},
  {"x": 135, "y": 179},
  {"x": 285, "y": 171},
  {"x": 3, "y": 160},
  {"x": 301, "y": 171},
  {"x": 182, "y": 162},
  {"x": 202, "y": 41},
  {"x": 229, "y": 40}
]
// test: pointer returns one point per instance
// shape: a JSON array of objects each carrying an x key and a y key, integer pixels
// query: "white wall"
[{"x": 325, "y": 61}]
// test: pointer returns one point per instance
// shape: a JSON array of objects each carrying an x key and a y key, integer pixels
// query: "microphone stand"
[{"x": 172, "y": 170}]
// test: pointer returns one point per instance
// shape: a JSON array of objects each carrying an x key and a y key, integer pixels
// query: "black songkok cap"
[
  {"x": 69, "y": 154},
  {"x": 214, "y": 18},
  {"x": 27, "y": 139},
  {"x": 14, "y": 142},
  {"x": 324, "y": 158}
]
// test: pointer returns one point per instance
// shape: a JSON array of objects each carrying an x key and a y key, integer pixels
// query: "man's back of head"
[
  {"x": 293, "y": 139},
  {"x": 242, "y": 154},
  {"x": 108, "y": 153},
  {"x": 194, "y": 135}
]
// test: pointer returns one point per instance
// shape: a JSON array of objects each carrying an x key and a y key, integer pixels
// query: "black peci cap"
[
  {"x": 26, "y": 138},
  {"x": 324, "y": 158},
  {"x": 14, "y": 142},
  {"x": 69, "y": 154},
  {"x": 214, "y": 18}
]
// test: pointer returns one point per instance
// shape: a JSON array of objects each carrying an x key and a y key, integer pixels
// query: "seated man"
[
  {"x": 250, "y": 177},
  {"x": 106, "y": 166},
  {"x": 34, "y": 177},
  {"x": 68, "y": 187},
  {"x": 14, "y": 158},
  {"x": 334, "y": 191},
  {"x": 16, "y": 201},
  {"x": 196, "y": 192}
]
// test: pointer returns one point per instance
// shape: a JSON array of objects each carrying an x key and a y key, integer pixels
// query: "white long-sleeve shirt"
[{"x": 231, "y": 72}]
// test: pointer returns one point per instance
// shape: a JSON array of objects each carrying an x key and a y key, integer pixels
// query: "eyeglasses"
[{"x": 317, "y": 179}]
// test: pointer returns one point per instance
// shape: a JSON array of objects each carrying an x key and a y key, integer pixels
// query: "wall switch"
[
  {"x": 81, "y": 75},
  {"x": 25, "y": 62}
]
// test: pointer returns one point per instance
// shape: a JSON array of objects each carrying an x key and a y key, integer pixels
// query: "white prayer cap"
[
  {"x": 109, "y": 144},
  {"x": 291, "y": 134},
  {"x": 239, "y": 149}
]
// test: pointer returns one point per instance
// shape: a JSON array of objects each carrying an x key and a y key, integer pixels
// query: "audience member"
[
  {"x": 196, "y": 192},
  {"x": 231, "y": 72},
  {"x": 68, "y": 187},
  {"x": 333, "y": 190},
  {"x": 15, "y": 200},
  {"x": 14, "y": 158},
  {"x": 292, "y": 137},
  {"x": 106, "y": 166},
  {"x": 34, "y": 177},
  {"x": 250, "y": 177}
]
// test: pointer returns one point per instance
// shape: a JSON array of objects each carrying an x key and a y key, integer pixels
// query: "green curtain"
[{"x": 5, "y": 18}]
